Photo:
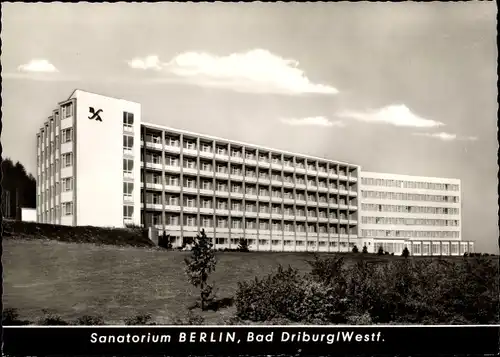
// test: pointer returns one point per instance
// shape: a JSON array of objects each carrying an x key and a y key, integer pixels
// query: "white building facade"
[
  {"x": 99, "y": 165},
  {"x": 82, "y": 150},
  {"x": 420, "y": 213}
]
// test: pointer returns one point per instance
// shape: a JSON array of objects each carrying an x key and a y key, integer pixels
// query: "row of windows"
[
  {"x": 286, "y": 242},
  {"x": 408, "y": 209},
  {"x": 377, "y": 233},
  {"x": 66, "y": 209},
  {"x": 54, "y": 190},
  {"x": 236, "y": 187},
  {"x": 191, "y": 201},
  {"x": 251, "y": 154},
  {"x": 400, "y": 196},
  {"x": 52, "y": 147},
  {"x": 49, "y": 170},
  {"x": 66, "y": 112},
  {"x": 440, "y": 248},
  {"x": 409, "y": 184},
  {"x": 221, "y": 222},
  {"x": 410, "y": 221}
]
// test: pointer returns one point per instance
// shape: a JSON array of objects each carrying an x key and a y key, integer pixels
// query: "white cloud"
[
  {"x": 253, "y": 71},
  {"x": 398, "y": 115},
  {"x": 148, "y": 62},
  {"x": 311, "y": 121},
  {"x": 446, "y": 136},
  {"x": 38, "y": 65}
]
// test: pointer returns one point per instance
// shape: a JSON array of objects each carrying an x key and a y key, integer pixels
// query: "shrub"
[
  {"x": 52, "y": 320},
  {"x": 380, "y": 251},
  {"x": 10, "y": 317},
  {"x": 164, "y": 241},
  {"x": 89, "y": 320},
  {"x": 139, "y": 320},
  {"x": 355, "y": 249},
  {"x": 199, "y": 266},
  {"x": 406, "y": 253},
  {"x": 243, "y": 245},
  {"x": 365, "y": 249}
]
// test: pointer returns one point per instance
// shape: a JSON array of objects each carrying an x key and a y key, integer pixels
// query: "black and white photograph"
[{"x": 258, "y": 165}]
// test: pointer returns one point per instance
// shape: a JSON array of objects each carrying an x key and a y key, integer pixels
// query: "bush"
[
  {"x": 52, "y": 320},
  {"x": 10, "y": 317},
  {"x": 380, "y": 251},
  {"x": 164, "y": 241},
  {"x": 88, "y": 320},
  {"x": 355, "y": 249},
  {"x": 405, "y": 291},
  {"x": 365, "y": 249},
  {"x": 139, "y": 320},
  {"x": 243, "y": 245},
  {"x": 406, "y": 253}
]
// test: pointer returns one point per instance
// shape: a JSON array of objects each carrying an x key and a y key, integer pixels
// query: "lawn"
[{"x": 71, "y": 279}]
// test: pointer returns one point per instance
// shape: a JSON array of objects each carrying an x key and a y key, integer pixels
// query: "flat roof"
[
  {"x": 180, "y": 131},
  {"x": 390, "y": 176}
]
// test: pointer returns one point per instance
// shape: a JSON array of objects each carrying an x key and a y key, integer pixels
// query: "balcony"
[
  {"x": 322, "y": 173},
  {"x": 236, "y": 177},
  {"x": 251, "y": 214},
  {"x": 172, "y": 207},
  {"x": 190, "y": 151},
  {"x": 154, "y": 206},
  {"x": 206, "y": 191},
  {"x": 222, "y": 211},
  {"x": 276, "y": 199},
  {"x": 277, "y": 165},
  {"x": 206, "y": 173},
  {"x": 154, "y": 166},
  {"x": 206, "y": 210},
  {"x": 222, "y": 156},
  {"x": 172, "y": 188},
  {"x": 153, "y": 145},
  {"x": 127, "y": 128},
  {"x": 251, "y": 162},
  {"x": 222, "y": 175},
  {"x": 275, "y": 215},
  {"x": 236, "y": 213},
  {"x": 264, "y": 181},
  {"x": 264, "y": 164},
  {"x": 238, "y": 194},
  {"x": 190, "y": 189},
  {"x": 288, "y": 168},
  {"x": 154, "y": 186},
  {"x": 207, "y": 154},
  {"x": 300, "y": 218},
  {"x": 128, "y": 176},
  {"x": 237, "y": 159},
  {"x": 190, "y": 209},
  {"x": 322, "y": 189},
  {"x": 264, "y": 215},
  {"x": 266, "y": 198},
  {"x": 288, "y": 184},
  {"x": 251, "y": 179},
  {"x": 190, "y": 170},
  {"x": 222, "y": 193}
]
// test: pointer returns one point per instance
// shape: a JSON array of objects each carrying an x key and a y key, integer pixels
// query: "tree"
[
  {"x": 20, "y": 185},
  {"x": 199, "y": 266},
  {"x": 243, "y": 245},
  {"x": 380, "y": 251},
  {"x": 355, "y": 249},
  {"x": 365, "y": 249},
  {"x": 406, "y": 253}
]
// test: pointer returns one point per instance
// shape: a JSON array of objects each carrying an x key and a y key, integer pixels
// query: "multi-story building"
[
  {"x": 116, "y": 171},
  {"x": 420, "y": 213},
  {"x": 99, "y": 165}
]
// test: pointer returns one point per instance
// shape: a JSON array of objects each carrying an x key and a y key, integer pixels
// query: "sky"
[{"x": 406, "y": 88}]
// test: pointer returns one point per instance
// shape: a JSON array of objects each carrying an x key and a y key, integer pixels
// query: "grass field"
[{"x": 72, "y": 280}]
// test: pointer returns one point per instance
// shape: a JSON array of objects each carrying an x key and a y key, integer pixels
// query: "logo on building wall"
[{"x": 94, "y": 114}]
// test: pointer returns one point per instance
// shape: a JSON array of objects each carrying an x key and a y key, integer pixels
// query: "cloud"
[
  {"x": 38, "y": 66},
  {"x": 397, "y": 115},
  {"x": 253, "y": 71},
  {"x": 446, "y": 136},
  {"x": 312, "y": 121},
  {"x": 149, "y": 62}
]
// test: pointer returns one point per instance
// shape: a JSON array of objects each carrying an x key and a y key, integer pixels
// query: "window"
[
  {"x": 222, "y": 168},
  {"x": 205, "y": 166},
  {"x": 190, "y": 202},
  {"x": 172, "y": 181},
  {"x": 128, "y": 142},
  {"x": 206, "y": 185},
  {"x": 190, "y": 183},
  {"x": 206, "y": 147},
  {"x": 222, "y": 222},
  {"x": 128, "y": 212},
  {"x": 68, "y": 208},
  {"x": 190, "y": 145},
  {"x": 206, "y": 203},
  {"x": 172, "y": 141},
  {"x": 128, "y": 166},
  {"x": 221, "y": 150},
  {"x": 172, "y": 161},
  {"x": 189, "y": 164},
  {"x": 67, "y": 110},
  {"x": 128, "y": 120},
  {"x": 67, "y": 135},
  {"x": 206, "y": 222},
  {"x": 190, "y": 221},
  {"x": 67, "y": 184},
  {"x": 236, "y": 206},
  {"x": 128, "y": 189},
  {"x": 67, "y": 159}
]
